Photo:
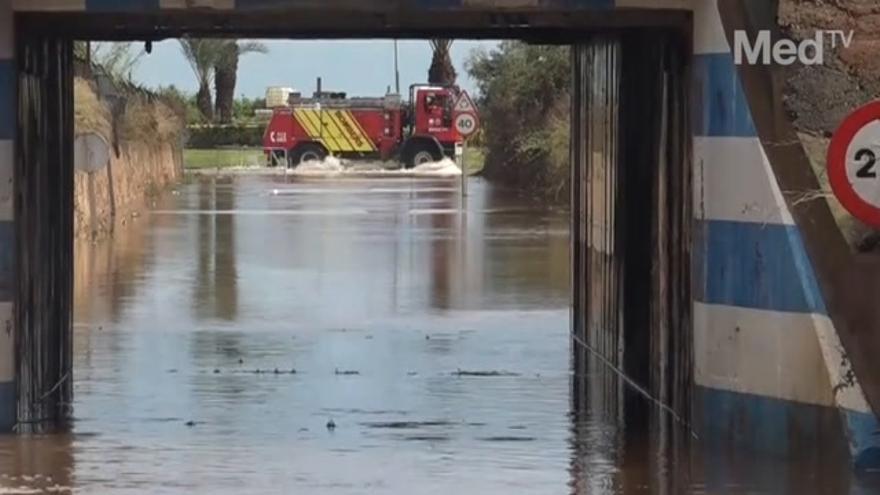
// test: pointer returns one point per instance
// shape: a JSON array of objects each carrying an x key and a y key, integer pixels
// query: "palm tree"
[
  {"x": 226, "y": 73},
  {"x": 441, "y": 70},
  {"x": 202, "y": 55}
]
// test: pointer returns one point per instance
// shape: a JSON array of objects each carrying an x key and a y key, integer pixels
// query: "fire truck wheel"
[
  {"x": 421, "y": 155},
  {"x": 307, "y": 153}
]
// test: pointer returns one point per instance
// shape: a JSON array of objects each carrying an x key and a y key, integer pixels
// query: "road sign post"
[
  {"x": 853, "y": 162},
  {"x": 464, "y": 174},
  {"x": 466, "y": 124}
]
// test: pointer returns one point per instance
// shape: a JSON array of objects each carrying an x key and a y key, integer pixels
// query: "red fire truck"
[{"x": 383, "y": 128}]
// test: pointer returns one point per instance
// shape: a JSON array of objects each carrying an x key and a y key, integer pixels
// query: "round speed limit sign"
[
  {"x": 854, "y": 164},
  {"x": 466, "y": 124}
]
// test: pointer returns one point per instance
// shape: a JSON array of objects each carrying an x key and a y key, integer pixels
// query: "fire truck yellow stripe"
[
  {"x": 332, "y": 132},
  {"x": 302, "y": 118},
  {"x": 312, "y": 124},
  {"x": 339, "y": 130},
  {"x": 316, "y": 130},
  {"x": 366, "y": 144},
  {"x": 335, "y": 130}
]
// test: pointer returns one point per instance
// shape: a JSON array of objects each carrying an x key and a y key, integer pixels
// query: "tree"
[
  {"x": 181, "y": 102},
  {"x": 441, "y": 71},
  {"x": 524, "y": 110},
  {"x": 116, "y": 59},
  {"x": 202, "y": 55},
  {"x": 226, "y": 74}
]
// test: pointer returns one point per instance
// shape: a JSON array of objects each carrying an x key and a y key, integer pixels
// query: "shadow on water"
[{"x": 621, "y": 445}]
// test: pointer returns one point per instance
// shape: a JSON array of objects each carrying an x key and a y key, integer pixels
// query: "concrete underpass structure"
[
  {"x": 8, "y": 105},
  {"x": 779, "y": 358}
]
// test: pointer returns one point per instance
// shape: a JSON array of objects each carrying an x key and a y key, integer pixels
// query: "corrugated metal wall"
[
  {"x": 596, "y": 317},
  {"x": 44, "y": 231},
  {"x": 632, "y": 216}
]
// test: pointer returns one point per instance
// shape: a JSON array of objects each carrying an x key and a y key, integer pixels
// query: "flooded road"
[{"x": 271, "y": 334}]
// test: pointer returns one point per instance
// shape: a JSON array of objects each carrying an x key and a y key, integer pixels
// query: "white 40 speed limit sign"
[
  {"x": 854, "y": 164},
  {"x": 466, "y": 124}
]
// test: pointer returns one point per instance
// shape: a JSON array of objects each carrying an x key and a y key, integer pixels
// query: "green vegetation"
[
  {"x": 243, "y": 108},
  {"x": 474, "y": 160},
  {"x": 222, "y": 158},
  {"x": 524, "y": 107},
  {"x": 145, "y": 119},
  {"x": 441, "y": 70},
  {"x": 216, "y": 59},
  {"x": 219, "y": 136},
  {"x": 110, "y": 103},
  {"x": 116, "y": 59},
  {"x": 201, "y": 54},
  {"x": 226, "y": 74}
]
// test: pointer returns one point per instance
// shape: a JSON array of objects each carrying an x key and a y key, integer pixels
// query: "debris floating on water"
[
  {"x": 267, "y": 371},
  {"x": 461, "y": 372},
  {"x": 427, "y": 438},
  {"x": 507, "y": 439},
  {"x": 347, "y": 372},
  {"x": 395, "y": 425}
]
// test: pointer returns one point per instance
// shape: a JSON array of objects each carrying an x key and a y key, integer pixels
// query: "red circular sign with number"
[
  {"x": 466, "y": 124},
  {"x": 854, "y": 164}
]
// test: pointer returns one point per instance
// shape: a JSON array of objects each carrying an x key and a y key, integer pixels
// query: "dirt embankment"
[
  {"x": 818, "y": 98},
  {"x": 145, "y": 157}
]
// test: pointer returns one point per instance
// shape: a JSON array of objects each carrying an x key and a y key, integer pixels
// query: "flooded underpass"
[{"x": 273, "y": 333}]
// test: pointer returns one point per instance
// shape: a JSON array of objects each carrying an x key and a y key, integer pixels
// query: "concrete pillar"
[{"x": 7, "y": 227}]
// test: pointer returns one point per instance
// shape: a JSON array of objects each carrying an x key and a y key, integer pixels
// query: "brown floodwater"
[{"x": 219, "y": 333}]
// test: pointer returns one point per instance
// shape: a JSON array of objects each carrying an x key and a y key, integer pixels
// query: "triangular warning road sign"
[{"x": 464, "y": 104}]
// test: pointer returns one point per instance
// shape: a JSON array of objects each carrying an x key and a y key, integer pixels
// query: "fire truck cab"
[{"x": 385, "y": 128}]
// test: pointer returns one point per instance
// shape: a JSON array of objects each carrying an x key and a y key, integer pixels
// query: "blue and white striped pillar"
[
  {"x": 763, "y": 338},
  {"x": 7, "y": 229}
]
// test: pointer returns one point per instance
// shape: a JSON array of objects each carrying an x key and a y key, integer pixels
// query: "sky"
[{"x": 357, "y": 67}]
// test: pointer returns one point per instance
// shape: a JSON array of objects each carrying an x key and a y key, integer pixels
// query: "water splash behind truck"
[{"x": 384, "y": 128}]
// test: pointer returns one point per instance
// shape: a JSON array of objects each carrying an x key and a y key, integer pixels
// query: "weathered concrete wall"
[
  {"x": 148, "y": 158},
  {"x": 107, "y": 199}
]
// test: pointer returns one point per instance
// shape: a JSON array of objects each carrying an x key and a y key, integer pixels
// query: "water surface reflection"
[{"x": 217, "y": 336}]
